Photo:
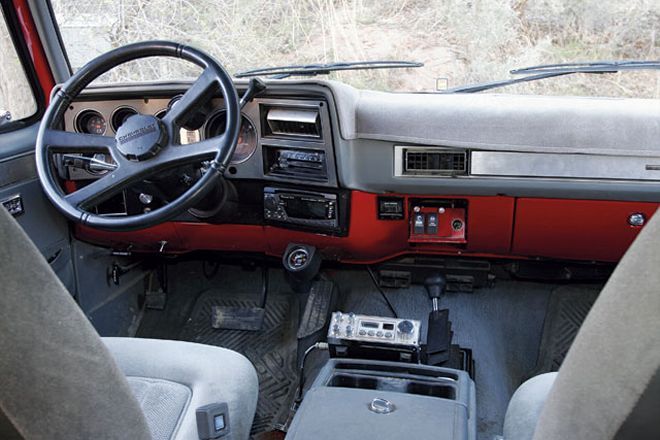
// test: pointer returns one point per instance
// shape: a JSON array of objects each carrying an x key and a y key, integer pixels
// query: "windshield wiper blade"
[
  {"x": 589, "y": 67},
  {"x": 474, "y": 88},
  {"x": 281, "y": 72},
  {"x": 544, "y": 71}
]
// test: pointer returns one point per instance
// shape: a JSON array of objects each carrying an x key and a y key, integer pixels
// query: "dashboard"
[{"x": 367, "y": 176}]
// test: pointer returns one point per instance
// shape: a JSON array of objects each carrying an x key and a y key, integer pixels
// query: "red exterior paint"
[
  {"x": 576, "y": 229},
  {"x": 31, "y": 36}
]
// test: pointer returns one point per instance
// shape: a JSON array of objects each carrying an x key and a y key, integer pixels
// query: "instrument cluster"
[{"x": 205, "y": 124}]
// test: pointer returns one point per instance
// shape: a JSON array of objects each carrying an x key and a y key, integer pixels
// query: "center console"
[
  {"x": 385, "y": 380},
  {"x": 355, "y": 399}
]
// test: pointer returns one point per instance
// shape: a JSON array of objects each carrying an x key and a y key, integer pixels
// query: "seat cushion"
[
  {"x": 171, "y": 379},
  {"x": 163, "y": 403},
  {"x": 525, "y": 407}
]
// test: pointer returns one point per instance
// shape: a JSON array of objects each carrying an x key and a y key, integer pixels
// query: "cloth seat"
[
  {"x": 171, "y": 379},
  {"x": 608, "y": 386},
  {"x": 60, "y": 380},
  {"x": 525, "y": 407}
]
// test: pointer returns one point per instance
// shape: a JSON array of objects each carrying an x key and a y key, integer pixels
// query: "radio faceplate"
[
  {"x": 304, "y": 208},
  {"x": 374, "y": 337},
  {"x": 374, "y": 329}
]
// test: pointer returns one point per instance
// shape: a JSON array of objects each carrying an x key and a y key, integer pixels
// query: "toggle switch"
[
  {"x": 432, "y": 224},
  {"x": 418, "y": 223}
]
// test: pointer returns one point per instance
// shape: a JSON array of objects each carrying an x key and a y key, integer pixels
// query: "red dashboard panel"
[
  {"x": 576, "y": 229},
  {"x": 489, "y": 222},
  {"x": 495, "y": 226}
]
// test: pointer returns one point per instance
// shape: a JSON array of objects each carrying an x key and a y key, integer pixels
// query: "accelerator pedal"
[{"x": 242, "y": 318}]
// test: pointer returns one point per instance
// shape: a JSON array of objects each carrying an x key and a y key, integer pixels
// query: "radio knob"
[
  {"x": 270, "y": 203},
  {"x": 406, "y": 329}
]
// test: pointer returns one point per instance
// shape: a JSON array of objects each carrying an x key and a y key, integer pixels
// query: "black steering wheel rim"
[{"x": 219, "y": 150}]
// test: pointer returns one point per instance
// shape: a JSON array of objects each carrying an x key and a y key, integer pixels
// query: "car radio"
[
  {"x": 305, "y": 208},
  {"x": 374, "y": 337}
]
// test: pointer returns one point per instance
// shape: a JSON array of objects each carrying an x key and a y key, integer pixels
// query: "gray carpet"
[{"x": 502, "y": 325}]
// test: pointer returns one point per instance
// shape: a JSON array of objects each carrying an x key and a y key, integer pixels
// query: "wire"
[
  {"x": 301, "y": 372},
  {"x": 382, "y": 293}
]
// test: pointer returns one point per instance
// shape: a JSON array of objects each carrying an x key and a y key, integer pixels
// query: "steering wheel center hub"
[{"x": 141, "y": 137}]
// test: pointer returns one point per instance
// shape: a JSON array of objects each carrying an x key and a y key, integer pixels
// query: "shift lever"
[
  {"x": 435, "y": 286},
  {"x": 438, "y": 340}
]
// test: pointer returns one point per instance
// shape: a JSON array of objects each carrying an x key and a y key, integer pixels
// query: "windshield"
[{"x": 459, "y": 42}]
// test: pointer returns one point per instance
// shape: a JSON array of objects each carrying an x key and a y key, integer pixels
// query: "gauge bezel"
[
  {"x": 83, "y": 112},
  {"x": 215, "y": 114},
  {"x": 114, "y": 113}
]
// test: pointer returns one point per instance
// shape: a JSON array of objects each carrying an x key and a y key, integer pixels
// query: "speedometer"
[{"x": 247, "y": 137}]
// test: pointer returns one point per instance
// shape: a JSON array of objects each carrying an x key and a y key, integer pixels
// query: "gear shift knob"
[{"x": 435, "y": 285}]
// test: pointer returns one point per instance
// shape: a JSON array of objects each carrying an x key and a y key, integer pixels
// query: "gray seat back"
[
  {"x": 609, "y": 384},
  {"x": 57, "y": 379}
]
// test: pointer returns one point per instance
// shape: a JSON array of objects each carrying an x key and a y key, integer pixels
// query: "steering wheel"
[{"x": 143, "y": 145}]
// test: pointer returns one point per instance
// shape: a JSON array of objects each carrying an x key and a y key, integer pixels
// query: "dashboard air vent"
[
  {"x": 430, "y": 161},
  {"x": 295, "y": 122}
]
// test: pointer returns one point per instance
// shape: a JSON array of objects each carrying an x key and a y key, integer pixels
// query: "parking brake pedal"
[{"x": 242, "y": 318}]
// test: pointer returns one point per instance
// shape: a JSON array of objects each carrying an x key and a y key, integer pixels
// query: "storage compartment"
[
  {"x": 377, "y": 400},
  {"x": 401, "y": 385},
  {"x": 349, "y": 381},
  {"x": 576, "y": 229}
]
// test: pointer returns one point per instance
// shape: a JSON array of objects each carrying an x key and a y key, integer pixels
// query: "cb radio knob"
[{"x": 406, "y": 329}]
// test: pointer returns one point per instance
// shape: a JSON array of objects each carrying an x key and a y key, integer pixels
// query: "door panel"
[{"x": 44, "y": 225}]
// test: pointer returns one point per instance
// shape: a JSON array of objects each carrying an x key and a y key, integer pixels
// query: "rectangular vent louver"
[
  {"x": 432, "y": 161},
  {"x": 294, "y": 122}
]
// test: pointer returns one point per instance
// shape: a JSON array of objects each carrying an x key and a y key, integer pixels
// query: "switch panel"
[
  {"x": 438, "y": 224},
  {"x": 14, "y": 205},
  {"x": 390, "y": 208}
]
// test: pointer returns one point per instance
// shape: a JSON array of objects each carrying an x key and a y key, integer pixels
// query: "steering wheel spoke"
[
  {"x": 175, "y": 155},
  {"x": 99, "y": 190},
  {"x": 58, "y": 141},
  {"x": 199, "y": 92}
]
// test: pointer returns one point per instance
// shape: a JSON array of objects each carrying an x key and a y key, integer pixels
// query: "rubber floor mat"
[
  {"x": 568, "y": 307},
  {"x": 272, "y": 350}
]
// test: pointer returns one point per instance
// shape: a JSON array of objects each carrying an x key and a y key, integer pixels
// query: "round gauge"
[
  {"x": 91, "y": 122},
  {"x": 247, "y": 137},
  {"x": 120, "y": 115}
]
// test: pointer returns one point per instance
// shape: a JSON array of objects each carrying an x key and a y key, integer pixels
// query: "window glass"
[
  {"x": 16, "y": 99},
  {"x": 460, "y": 42}
]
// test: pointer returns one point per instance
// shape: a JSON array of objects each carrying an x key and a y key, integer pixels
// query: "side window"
[{"x": 16, "y": 98}]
